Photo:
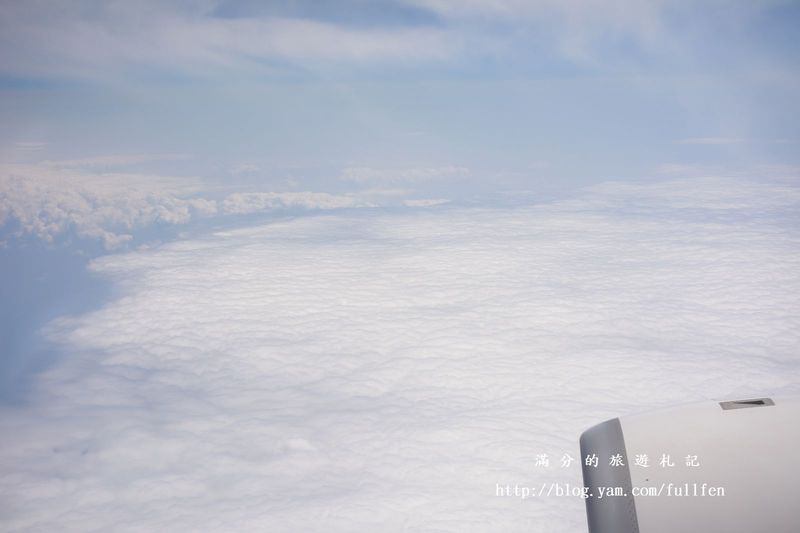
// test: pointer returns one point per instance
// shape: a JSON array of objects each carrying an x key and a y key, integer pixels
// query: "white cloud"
[
  {"x": 252, "y": 202},
  {"x": 712, "y": 140},
  {"x": 51, "y": 199},
  {"x": 580, "y": 24},
  {"x": 722, "y": 141},
  {"x": 44, "y": 39},
  {"x": 372, "y": 371},
  {"x": 708, "y": 194},
  {"x": 426, "y": 202},
  {"x": 243, "y": 169},
  {"x": 403, "y": 175},
  {"x": 48, "y": 200},
  {"x": 113, "y": 160},
  {"x": 30, "y": 146},
  {"x": 40, "y": 38},
  {"x": 771, "y": 172}
]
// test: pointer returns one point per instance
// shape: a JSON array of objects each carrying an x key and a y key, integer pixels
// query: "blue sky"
[{"x": 525, "y": 95}]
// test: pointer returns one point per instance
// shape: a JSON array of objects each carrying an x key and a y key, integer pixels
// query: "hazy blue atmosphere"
[{"x": 345, "y": 265}]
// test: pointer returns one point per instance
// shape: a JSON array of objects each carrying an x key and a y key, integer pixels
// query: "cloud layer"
[
  {"x": 51, "y": 200},
  {"x": 56, "y": 198},
  {"x": 377, "y": 371}
]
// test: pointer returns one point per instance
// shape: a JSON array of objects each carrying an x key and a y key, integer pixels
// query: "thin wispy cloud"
[
  {"x": 30, "y": 146},
  {"x": 404, "y": 175},
  {"x": 722, "y": 141},
  {"x": 112, "y": 161},
  {"x": 254, "y": 202},
  {"x": 45, "y": 39},
  {"x": 771, "y": 172},
  {"x": 714, "y": 141}
]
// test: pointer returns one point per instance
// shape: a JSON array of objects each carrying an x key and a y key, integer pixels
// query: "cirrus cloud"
[{"x": 64, "y": 40}]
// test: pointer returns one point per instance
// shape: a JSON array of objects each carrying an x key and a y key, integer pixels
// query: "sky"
[
  {"x": 346, "y": 265},
  {"x": 302, "y": 95}
]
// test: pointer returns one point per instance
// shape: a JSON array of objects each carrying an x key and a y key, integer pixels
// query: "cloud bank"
[
  {"x": 375, "y": 371},
  {"x": 49, "y": 200},
  {"x": 53, "y": 199}
]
